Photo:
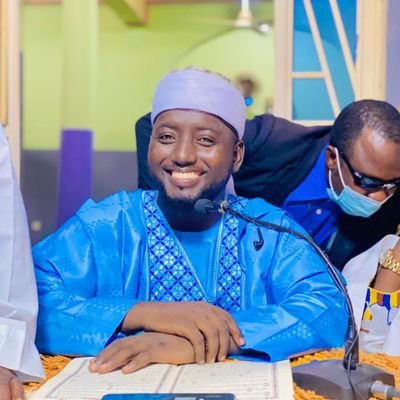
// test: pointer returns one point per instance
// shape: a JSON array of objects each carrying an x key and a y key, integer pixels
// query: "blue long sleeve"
[
  {"x": 103, "y": 261},
  {"x": 303, "y": 308},
  {"x": 78, "y": 314}
]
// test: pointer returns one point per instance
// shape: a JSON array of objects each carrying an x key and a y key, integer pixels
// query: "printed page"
[
  {"x": 75, "y": 382},
  {"x": 247, "y": 380}
]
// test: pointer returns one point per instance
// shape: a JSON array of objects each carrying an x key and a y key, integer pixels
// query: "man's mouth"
[
  {"x": 185, "y": 175},
  {"x": 185, "y": 179}
]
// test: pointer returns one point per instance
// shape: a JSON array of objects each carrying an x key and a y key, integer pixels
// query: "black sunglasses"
[{"x": 368, "y": 182}]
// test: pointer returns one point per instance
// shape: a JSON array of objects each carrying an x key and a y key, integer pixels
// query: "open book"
[{"x": 247, "y": 380}]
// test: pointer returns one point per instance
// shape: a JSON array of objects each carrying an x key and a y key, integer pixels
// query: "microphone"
[
  {"x": 205, "y": 206},
  {"x": 333, "y": 379}
]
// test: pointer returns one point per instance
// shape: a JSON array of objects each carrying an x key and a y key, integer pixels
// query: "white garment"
[
  {"x": 359, "y": 272},
  {"x": 18, "y": 293}
]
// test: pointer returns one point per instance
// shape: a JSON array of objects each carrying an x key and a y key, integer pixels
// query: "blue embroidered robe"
[{"x": 121, "y": 251}]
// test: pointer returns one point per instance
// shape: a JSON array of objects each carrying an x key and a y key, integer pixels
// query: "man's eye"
[
  {"x": 165, "y": 137},
  {"x": 207, "y": 141}
]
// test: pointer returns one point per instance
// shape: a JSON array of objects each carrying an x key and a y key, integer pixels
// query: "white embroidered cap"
[{"x": 193, "y": 89}]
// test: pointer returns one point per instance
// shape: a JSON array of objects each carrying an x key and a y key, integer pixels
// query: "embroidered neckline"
[{"x": 172, "y": 276}]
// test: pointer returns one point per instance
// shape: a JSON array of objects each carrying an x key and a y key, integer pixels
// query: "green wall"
[{"x": 130, "y": 62}]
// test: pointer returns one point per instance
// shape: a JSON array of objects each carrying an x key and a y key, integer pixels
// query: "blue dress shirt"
[
  {"x": 311, "y": 207},
  {"x": 113, "y": 254}
]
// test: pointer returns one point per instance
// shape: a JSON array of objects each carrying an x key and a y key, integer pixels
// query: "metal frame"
[
  {"x": 371, "y": 49},
  {"x": 367, "y": 75}
]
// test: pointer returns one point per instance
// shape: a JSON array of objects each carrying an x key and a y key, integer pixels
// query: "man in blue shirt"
[
  {"x": 356, "y": 174},
  {"x": 288, "y": 165},
  {"x": 175, "y": 285}
]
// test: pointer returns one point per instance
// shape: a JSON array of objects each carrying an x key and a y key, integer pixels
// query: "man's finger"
[
  {"x": 17, "y": 390},
  {"x": 233, "y": 328},
  {"x": 211, "y": 337},
  {"x": 107, "y": 354},
  {"x": 93, "y": 365},
  {"x": 118, "y": 360},
  {"x": 224, "y": 342},
  {"x": 224, "y": 336},
  {"x": 141, "y": 360},
  {"x": 101, "y": 359},
  {"x": 195, "y": 337}
]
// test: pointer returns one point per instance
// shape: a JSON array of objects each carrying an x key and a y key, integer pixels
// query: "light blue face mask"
[{"x": 350, "y": 201}]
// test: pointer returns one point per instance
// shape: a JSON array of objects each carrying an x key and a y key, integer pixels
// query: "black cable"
[{"x": 351, "y": 355}]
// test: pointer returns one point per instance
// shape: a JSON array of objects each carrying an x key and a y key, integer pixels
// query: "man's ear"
[
  {"x": 331, "y": 158},
  {"x": 238, "y": 154}
]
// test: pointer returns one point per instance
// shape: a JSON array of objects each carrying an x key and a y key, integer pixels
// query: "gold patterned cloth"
[{"x": 54, "y": 364}]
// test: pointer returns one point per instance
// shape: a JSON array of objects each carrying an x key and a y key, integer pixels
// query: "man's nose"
[{"x": 184, "y": 153}]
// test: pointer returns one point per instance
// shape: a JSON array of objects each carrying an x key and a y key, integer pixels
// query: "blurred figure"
[
  {"x": 373, "y": 280},
  {"x": 19, "y": 358}
]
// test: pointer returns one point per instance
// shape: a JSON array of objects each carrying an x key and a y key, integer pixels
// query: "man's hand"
[
  {"x": 10, "y": 386},
  {"x": 208, "y": 328},
  {"x": 135, "y": 352}
]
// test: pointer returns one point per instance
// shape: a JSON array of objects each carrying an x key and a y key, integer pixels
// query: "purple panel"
[
  {"x": 393, "y": 53},
  {"x": 75, "y": 171}
]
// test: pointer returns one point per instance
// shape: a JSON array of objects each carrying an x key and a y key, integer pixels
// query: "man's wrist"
[
  {"x": 396, "y": 251},
  {"x": 391, "y": 261},
  {"x": 132, "y": 320}
]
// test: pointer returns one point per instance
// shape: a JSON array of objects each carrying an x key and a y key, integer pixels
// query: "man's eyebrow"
[
  {"x": 166, "y": 125},
  {"x": 207, "y": 128},
  {"x": 173, "y": 126}
]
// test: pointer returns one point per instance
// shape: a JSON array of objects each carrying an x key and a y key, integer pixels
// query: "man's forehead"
[
  {"x": 194, "y": 117},
  {"x": 374, "y": 155},
  {"x": 373, "y": 140}
]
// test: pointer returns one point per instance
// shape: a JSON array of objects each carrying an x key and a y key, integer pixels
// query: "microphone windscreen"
[{"x": 204, "y": 206}]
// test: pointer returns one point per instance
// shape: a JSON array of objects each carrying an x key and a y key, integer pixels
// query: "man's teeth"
[{"x": 184, "y": 175}]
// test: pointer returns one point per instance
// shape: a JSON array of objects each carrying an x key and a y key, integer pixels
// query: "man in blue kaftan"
[{"x": 170, "y": 284}]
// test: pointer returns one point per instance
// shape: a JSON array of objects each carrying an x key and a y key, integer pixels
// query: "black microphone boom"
[{"x": 333, "y": 379}]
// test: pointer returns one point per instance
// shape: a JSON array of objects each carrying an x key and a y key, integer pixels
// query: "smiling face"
[
  {"x": 191, "y": 155},
  {"x": 370, "y": 155}
]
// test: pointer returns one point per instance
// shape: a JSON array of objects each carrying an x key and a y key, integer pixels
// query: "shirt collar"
[{"x": 314, "y": 185}]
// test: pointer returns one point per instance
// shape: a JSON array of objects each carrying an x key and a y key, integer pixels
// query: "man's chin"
[
  {"x": 184, "y": 196},
  {"x": 184, "y": 199},
  {"x": 181, "y": 204}
]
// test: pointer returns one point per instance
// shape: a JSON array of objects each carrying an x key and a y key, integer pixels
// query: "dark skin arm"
[
  {"x": 135, "y": 352},
  {"x": 10, "y": 386},
  {"x": 386, "y": 280},
  {"x": 208, "y": 328}
]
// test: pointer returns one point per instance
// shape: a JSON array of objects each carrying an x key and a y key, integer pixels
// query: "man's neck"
[
  {"x": 189, "y": 221},
  {"x": 186, "y": 219}
]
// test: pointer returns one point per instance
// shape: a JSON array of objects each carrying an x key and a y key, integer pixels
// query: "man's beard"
[{"x": 186, "y": 204}]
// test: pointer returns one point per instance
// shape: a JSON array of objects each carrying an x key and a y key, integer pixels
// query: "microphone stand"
[{"x": 345, "y": 379}]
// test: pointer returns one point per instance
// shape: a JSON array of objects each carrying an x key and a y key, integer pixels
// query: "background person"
[
  {"x": 373, "y": 279},
  {"x": 19, "y": 359}
]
